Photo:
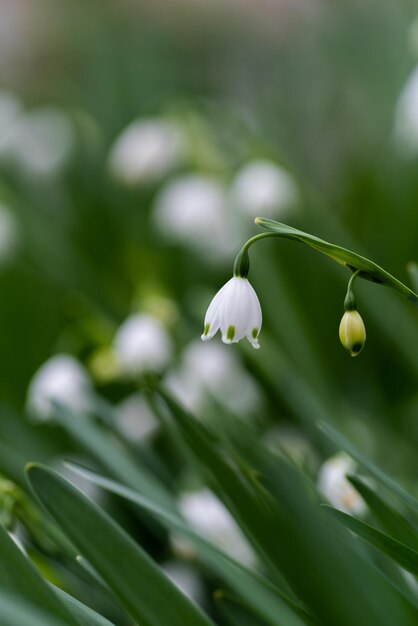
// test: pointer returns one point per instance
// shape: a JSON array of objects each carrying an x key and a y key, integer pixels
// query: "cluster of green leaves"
[{"x": 310, "y": 567}]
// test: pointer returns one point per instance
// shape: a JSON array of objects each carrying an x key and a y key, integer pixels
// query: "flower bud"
[{"x": 352, "y": 332}]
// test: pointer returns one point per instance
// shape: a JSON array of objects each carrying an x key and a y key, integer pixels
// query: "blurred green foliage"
[{"x": 310, "y": 86}]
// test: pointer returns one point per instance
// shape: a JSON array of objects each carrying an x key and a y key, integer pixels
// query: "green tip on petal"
[
  {"x": 206, "y": 329},
  {"x": 230, "y": 333}
]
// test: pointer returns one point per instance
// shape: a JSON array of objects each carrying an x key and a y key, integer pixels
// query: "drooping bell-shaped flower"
[{"x": 236, "y": 310}]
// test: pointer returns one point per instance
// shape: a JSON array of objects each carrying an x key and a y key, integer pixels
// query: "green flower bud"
[{"x": 352, "y": 332}]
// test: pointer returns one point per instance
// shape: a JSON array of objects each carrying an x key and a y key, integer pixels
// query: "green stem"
[
  {"x": 350, "y": 303},
  {"x": 242, "y": 260}
]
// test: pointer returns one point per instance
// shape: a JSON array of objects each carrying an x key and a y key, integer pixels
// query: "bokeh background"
[{"x": 138, "y": 142}]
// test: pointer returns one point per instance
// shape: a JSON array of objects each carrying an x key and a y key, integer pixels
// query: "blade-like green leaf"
[
  {"x": 18, "y": 575},
  {"x": 353, "y": 261},
  {"x": 84, "y": 614},
  {"x": 284, "y": 521},
  {"x": 404, "y": 556},
  {"x": 18, "y": 611},
  {"x": 117, "y": 461},
  {"x": 139, "y": 584},
  {"x": 393, "y": 522},
  {"x": 273, "y": 606},
  {"x": 344, "y": 444}
]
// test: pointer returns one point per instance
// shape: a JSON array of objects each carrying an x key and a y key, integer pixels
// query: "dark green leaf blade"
[
  {"x": 142, "y": 588},
  {"x": 353, "y": 261},
  {"x": 18, "y": 575},
  {"x": 274, "y": 606},
  {"x": 404, "y": 556},
  {"x": 84, "y": 614},
  {"x": 344, "y": 444},
  {"x": 119, "y": 463},
  {"x": 393, "y": 522},
  {"x": 18, "y": 611}
]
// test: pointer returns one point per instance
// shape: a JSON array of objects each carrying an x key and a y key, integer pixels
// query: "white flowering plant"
[{"x": 259, "y": 477}]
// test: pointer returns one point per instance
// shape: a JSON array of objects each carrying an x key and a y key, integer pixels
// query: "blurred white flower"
[
  {"x": 142, "y": 344},
  {"x": 333, "y": 484},
  {"x": 39, "y": 143},
  {"x": 236, "y": 311},
  {"x": 213, "y": 371},
  {"x": 209, "y": 517},
  {"x": 9, "y": 235},
  {"x": 146, "y": 151},
  {"x": 406, "y": 116},
  {"x": 135, "y": 418},
  {"x": 60, "y": 379},
  {"x": 263, "y": 188},
  {"x": 186, "y": 579},
  {"x": 192, "y": 210},
  {"x": 293, "y": 442}
]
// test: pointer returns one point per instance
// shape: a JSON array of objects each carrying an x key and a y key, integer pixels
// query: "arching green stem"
[
  {"x": 350, "y": 303},
  {"x": 242, "y": 260}
]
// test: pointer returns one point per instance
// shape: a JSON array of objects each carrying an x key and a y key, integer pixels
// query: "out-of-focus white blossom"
[
  {"x": 292, "y": 442},
  {"x": 146, "y": 151},
  {"x": 186, "y": 579},
  {"x": 263, "y": 188},
  {"x": 61, "y": 379},
  {"x": 135, "y": 418},
  {"x": 142, "y": 344},
  {"x": 9, "y": 235},
  {"x": 236, "y": 311},
  {"x": 209, "y": 517},
  {"x": 332, "y": 482},
  {"x": 406, "y": 116},
  {"x": 212, "y": 371},
  {"x": 192, "y": 210},
  {"x": 39, "y": 143}
]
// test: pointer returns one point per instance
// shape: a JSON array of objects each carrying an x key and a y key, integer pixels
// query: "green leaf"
[
  {"x": 353, "y": 261},
  {"x": 288, "y": 528},
  {"x": 139, "y": 584},
  {"x": 84, "y": 614},
  {"x": 18, "y": 575},
  {"x": 18, "y": 611},
  {"x": 404, "y": 556},
  {"x": 273, "y": 606},
  {"x": 393, "y": 522},
  {"x": 344, "y": 444},
  {"x": 117, "y": 461}
]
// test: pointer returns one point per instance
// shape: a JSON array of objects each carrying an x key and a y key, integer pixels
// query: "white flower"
[
  {"x": 406, "y": 115},
  {"x": 146, "y": 151},
  {"x": 40, "y": 142},
  {"x": 236, "y": 311},
  {"x": 135, "y": 418},
  {"x": 142, "y": 343},
  {"x": 208, "y": 372},
  {"x": 208, "y": 516},
  {"x": 61, "y": 379},
  {"x": 332, "y": 482},
  {"x": 263, "y": 188},
  {"x": 192, "y": 210}
]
